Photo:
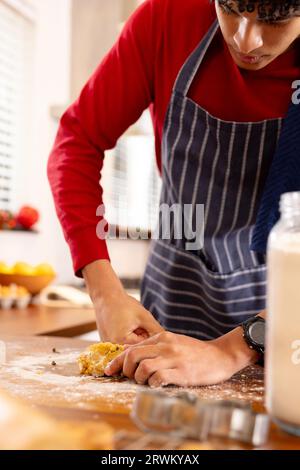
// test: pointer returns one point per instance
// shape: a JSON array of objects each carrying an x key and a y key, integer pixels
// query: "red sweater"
[{"x": 139, "y": 72}]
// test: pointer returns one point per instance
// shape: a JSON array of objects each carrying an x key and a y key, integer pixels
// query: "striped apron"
[{"x": 223, "y": 166}]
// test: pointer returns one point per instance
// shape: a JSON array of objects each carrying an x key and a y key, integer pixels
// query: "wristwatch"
[{"x": 254, "y": 335}]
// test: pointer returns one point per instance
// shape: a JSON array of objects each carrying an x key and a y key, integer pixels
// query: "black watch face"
[{"x": 257, "y": 333}]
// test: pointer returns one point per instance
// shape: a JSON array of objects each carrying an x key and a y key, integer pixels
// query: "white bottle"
[{"x": 283, "y": 317}]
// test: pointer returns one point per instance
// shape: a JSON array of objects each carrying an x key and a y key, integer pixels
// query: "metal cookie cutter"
[
  {"x": 187, "y": 416},
  {"x": 177, "y": 415},
  {"x": 236, "y": 420}
]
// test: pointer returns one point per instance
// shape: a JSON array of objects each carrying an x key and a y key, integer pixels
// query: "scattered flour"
[
  {"x": 35, "y": 377},
  {"x": 2, "y": 352}
]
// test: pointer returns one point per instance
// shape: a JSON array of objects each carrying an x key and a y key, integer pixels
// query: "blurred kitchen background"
[{"x": 48, "y": 50}]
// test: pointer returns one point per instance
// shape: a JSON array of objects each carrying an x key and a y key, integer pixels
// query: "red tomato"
[{"x": 28, "y": 217}]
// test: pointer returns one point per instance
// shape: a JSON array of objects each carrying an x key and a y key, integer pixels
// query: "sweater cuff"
[{"x": 86, "y": 248}]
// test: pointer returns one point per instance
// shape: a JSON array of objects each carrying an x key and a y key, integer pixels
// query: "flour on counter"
[
  {"x": 2, "y": 353},
  {"x": 34, "y": 377},
  {"x": 63, "y": 381}
]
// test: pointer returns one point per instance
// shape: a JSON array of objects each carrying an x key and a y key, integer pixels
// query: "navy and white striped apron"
[{"x": 223, "y": 165}]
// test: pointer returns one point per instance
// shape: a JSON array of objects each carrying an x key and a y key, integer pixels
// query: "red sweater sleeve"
[{"x": 113, "y": 99}]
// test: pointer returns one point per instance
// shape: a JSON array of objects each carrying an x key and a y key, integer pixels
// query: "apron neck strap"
[{"x": 190, "y": 68}]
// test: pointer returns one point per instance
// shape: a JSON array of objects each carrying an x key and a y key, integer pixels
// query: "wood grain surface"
[
  {"x": 39, "y": 320},
  {"x": 43, "y": 372}
]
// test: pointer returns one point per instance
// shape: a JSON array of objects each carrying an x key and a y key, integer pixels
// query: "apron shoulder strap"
[{"x": 190, "y": 68}]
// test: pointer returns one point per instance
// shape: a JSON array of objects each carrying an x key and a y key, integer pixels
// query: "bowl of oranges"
[{"x": 32, "y": 278}]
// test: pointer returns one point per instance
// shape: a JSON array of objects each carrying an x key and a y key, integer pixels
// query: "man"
[{"x": 218, "y": 79}]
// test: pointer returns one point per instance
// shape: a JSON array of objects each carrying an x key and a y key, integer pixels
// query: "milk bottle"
[{"x": 283, "y": 317}]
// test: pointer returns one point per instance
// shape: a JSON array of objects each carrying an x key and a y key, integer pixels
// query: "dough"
[
  {"x": 97, "y": 357},
  {"x": 25, "y": 428}
]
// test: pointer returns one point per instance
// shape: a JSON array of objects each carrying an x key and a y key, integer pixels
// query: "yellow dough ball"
[{"x": 97, "y": 357}]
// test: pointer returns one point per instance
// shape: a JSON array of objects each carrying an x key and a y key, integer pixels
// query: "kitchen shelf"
[{"x": 31, "y": 232}]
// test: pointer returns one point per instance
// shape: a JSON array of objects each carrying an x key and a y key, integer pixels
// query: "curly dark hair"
[{"x": 270, "y": 10}]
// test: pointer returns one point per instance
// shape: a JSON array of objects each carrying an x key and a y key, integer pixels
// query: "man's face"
[{"x": 253, "y": 42}]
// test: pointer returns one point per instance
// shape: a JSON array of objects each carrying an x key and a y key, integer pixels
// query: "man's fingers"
[
  {"x": 148, "y": 367},
  {"x": 136, "y": 351},
  {"x": 116, "y": 365},
  {"x": 136, "y": 336},
  {"x": 142, "y": 333},
  {"x": 133, "y": 339},
  {"x": 161, "y": 337},
  {"x": 129, "y": 360},
  {"x": 135, "y": 355},
  {"x": 165, "y": 377},
  {"x": 152, "y": 326}
]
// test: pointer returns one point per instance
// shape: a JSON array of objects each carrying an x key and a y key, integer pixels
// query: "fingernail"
[
  {"x": 108, "y": 368},
  {"x": 155, "y": 385}
]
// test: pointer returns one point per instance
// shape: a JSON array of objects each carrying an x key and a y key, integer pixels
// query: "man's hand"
[
  {"x": 171, "y": 359},
  {"x": 120, "y": 318}
]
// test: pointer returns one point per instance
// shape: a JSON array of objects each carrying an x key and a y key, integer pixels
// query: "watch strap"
[{"x": 260, "y": 349}]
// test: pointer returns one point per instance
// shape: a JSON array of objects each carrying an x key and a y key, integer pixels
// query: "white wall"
[{"x": 51, "y": 87}]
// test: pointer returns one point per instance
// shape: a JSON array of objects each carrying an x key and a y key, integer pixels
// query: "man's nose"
[{"x": 248, "y": 37}]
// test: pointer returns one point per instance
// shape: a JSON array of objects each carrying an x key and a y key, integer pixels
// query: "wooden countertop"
[
  {"x": 27, "y": 372},
  {"x": 44, "y": 321}
]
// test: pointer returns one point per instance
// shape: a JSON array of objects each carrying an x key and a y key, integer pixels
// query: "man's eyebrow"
[{"x": 231, "y": 5}]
